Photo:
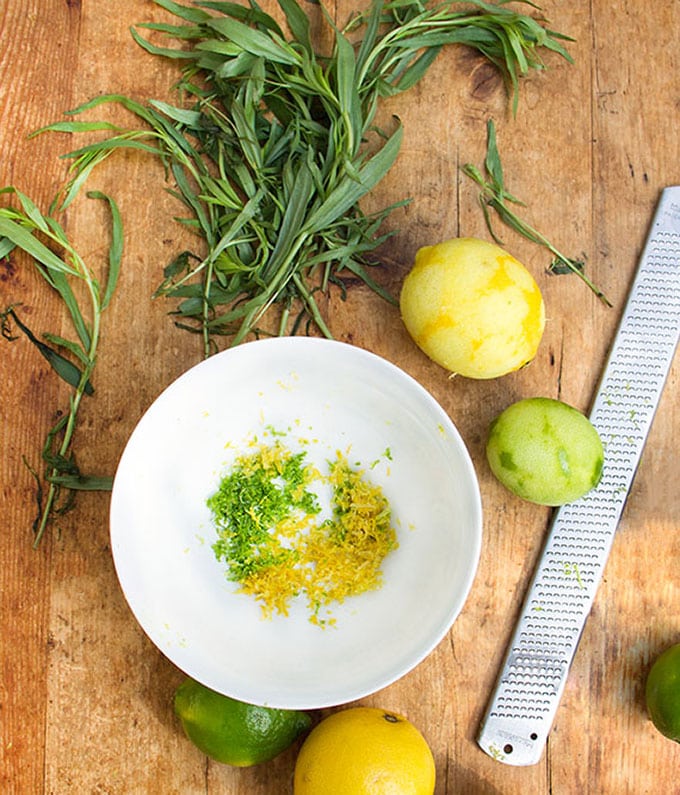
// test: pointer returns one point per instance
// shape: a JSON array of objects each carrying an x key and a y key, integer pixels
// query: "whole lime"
[
  {"x": 232, "y": 731},
  {"x": 472, "y": 308},
  {"x": 364, "y": 751},
  {"x": 662, "y": 693},
  {"x": 545, "y": 451}
]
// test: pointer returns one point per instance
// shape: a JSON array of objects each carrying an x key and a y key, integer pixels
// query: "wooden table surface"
[{"x": 85, "y": 698}]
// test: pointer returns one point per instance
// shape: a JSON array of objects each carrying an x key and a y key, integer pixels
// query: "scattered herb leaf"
[
  {"x": 62, "y": 366},
  {"x": 493, "y": 194}
]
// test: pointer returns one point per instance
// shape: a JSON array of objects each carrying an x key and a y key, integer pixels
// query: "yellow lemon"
[
  {"x": 473, "y": 308},
  {"x": 364, "y": 751},
  {"x": 232, "y": 731}
]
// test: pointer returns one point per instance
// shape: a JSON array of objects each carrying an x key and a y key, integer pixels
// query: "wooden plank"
[
  {"x": 31, "y": 92},
  {"x": 632, "y": 140},
  {"x": 85, "y": 697}
]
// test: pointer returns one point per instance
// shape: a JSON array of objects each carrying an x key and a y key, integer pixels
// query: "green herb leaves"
[
  {"x": 271, "y": 148},
  {"x": 62, "y": 366},
  {"x": 493, "y": 194},
  {"x": 41, "y": 236},
  {"x": 274, "y": 148}
]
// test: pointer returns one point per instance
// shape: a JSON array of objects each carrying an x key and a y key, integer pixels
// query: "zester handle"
[{"x": 523, "y": 706}]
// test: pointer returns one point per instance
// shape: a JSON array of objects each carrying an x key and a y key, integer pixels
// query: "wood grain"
[{"x": 85, "y": 699}]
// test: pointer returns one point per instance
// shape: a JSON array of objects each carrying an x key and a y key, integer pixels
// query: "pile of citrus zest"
[{"x": 275, "y": 544}]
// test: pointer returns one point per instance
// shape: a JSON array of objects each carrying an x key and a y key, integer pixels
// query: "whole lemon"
[
  {"x": 232, "y": 731},
  {"x": 545, "y": 451},
  {"x": 473, "y": 308},
  {"x": 662, "y": 693},
  {"x": 364, "y": 751}
]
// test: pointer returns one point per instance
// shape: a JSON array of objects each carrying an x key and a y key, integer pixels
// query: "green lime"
[
  {"x": 232, "y": 731},
  {"x": 662, "y": 693},
  {"x": 545, "y": 451}
]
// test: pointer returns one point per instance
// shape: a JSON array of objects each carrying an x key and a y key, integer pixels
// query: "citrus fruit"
[
  {"x": 662, "y": 693},
  {"x": 545, "y": 451},
  {"x": 232, "y": 731},
  {"x": 472, "y": 308},
  {"x": 364, "y": 751}
]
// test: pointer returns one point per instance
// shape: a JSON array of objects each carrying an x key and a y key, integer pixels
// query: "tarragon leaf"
[{"x": 64, "y": 367}]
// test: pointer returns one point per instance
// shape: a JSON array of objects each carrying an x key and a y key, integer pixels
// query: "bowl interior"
[{"x": 323, "y": 396}]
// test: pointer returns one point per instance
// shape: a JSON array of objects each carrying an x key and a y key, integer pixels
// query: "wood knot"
[
  {"x": 485, "y": 80},
  {"x": 8, "y": 269}
]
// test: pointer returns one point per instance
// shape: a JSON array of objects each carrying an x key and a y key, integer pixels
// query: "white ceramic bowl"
[{"x": 344, "y": 398}]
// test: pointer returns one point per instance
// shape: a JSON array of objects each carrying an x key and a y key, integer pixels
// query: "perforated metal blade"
[{"x": 532, "y": 679}]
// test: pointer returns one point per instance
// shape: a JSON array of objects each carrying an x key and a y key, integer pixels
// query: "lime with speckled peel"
[
  {"x": 662, "y": 693},
  {"x": 364, "y": 751},
  {"x": 233, "y": 732},
  {"x": 545, "y": 451},
  {"x": 473, "y": 308}
]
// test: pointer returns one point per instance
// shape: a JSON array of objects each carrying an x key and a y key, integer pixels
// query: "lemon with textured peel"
[
  {"x": 545, "y": 451},
  {"x": 662, "y": 693},
  {"x": 232, "y": 731},
  {"x": 473, "y": 308},
  {"x": 364, "y": 751}
]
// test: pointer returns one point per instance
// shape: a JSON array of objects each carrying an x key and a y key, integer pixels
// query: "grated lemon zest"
[{"x": 277, "y": 548}]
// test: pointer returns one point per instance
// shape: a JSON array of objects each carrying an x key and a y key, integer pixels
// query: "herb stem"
[
  {"x": 512, "y": 219},
  {"x": 206, "y": 307},
  {"x": 311, "y": 305},
  {"x": 76, "y": 397},
  {"x": 67, "y": 438},
  {"x": 284, "y": 273}
]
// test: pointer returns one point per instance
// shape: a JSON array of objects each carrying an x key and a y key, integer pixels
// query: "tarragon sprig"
[
  {"x": 44, "y": 240},
  {"x": 494, "y": 195}
]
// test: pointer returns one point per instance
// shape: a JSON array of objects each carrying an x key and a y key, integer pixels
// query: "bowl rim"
[{"x": 474, "y": 526}]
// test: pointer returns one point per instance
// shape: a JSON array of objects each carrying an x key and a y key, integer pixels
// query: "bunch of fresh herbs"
[{"x": 274, "y": 145}]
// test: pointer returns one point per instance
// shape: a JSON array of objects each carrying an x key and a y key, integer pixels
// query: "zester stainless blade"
[{"x": 529, "y": 688}]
